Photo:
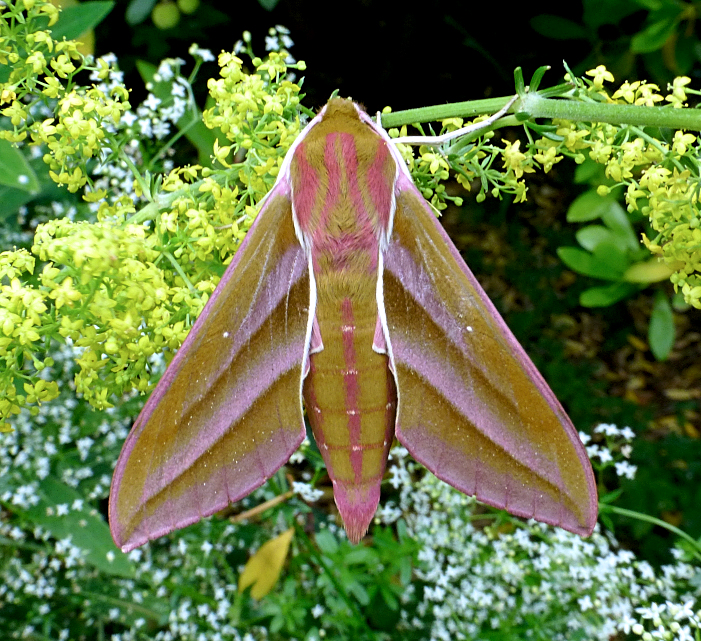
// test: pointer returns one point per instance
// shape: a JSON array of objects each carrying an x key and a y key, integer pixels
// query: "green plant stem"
[
  {"x": 135, "y": 172},
  {"x": 180, "y": 272},
  {"x": 605, "y": 507},
  {"x": 535, "y": 106},
  {"x": 467, "y": 109},
  {"x": 107, "y": 599},
  {"x": 165, "y": 199}
]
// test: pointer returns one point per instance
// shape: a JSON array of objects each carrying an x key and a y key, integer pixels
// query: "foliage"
[
  {"x": 660, "y": 34},
  {"x": 122, "y": 262},
  {"x": 441, "y": 567}
]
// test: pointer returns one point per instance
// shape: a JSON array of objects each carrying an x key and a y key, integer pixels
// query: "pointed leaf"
[
  {"x": 138, "y": 11},
  {"x": 616, "y": 219},
  {"x": 661, "y": 331},
  {"x": 327, "y": 542},
  {"x": 537, "y": 77},
  {"x": 613, "y": 257},
  {"x": 606, "y": 295},
  {"x": 591, "y": 235},
  {"x": 15, "y": 171},
  {"x": 85, "y": 528},
  {"x": 649, "y": 271},
  {"x": 654, "y": 35},
  {"x": 589, "y": 172},
  {"x": 263, "y": 568},
  {"x": 75, "y": 21},
  {"x": 588, "y": 206},
  {"x": 587, "y": 264}
]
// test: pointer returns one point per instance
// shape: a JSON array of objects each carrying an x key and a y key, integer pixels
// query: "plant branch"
[{"x": 535, "y": 106}]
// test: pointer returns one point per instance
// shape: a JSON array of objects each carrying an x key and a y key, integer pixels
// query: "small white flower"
[
  {"x": 607, "y": 428},
  {"x": 626, "y": 469},
  {"x": 205, "y": 55},
  {"x": 151, "y": 102},
  {"x": 307, "y": 492},
  {"x": 84, "y": 444},
  {"x": 627, "y": 433},
  {"x": 626, "y": 623}
]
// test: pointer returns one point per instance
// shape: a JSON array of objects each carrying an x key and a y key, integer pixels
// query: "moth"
[{"x": 347, "y": 297}]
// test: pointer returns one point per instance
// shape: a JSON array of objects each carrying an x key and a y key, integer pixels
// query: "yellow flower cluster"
[
  {"x": 23, "y": 323},
  {"x": 40, "y": 68},
  {"x": 660, "y": 176},
  {"x": 257, "y": 112},
  {"x": 131, "y": 285}
]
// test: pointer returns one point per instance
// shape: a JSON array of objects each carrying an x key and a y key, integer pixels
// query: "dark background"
[{"x": 388, "y": 52}]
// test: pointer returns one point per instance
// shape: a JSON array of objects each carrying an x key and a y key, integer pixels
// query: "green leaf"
[
  {"x": 654, "y": 36},
  {"x": 138, "y": 11},
  {"x": 648, "y": 271},
  {"x": 606, "y": 295},
  {"x": 558, "y": 28},
  {"x": 613, "y": 257},
  {"x": 596, "y": 266},
  {"x": 600, "y": 12},
  {"x": 75, "y": 21},
  {"x": 361, "y": 555},
  {"x": 11, "y": 200},
  {"x": 268, "y": 5},
  {"x": 591, "y": 235},
  {"x": 15, "y": 171},
  {"x": 661, "y": 332},
  {"x": 589, "y": 172},
  {"x": 537, "y": 77},
  {"x": 327, "y": 542},
  {"x": 611, "y": 497},
  {"x": 588, "y": 206},
  {"x": 86, "y": 529},
  {"x": 518, "y": 81},
  {"x": 616, "y": 219}
]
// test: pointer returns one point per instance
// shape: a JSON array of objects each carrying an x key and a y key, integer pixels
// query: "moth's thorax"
[{"x": 343, "y": 177}]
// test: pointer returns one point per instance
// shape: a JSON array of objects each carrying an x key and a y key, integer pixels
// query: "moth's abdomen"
[
  {"x": 350, "y": 399},
  {"x": 342, "y": 178}
]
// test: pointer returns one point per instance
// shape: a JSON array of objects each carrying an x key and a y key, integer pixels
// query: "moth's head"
[{"x": 340, "y": 109}]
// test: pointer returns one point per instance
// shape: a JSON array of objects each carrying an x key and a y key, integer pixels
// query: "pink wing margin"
[{"x": 228, "y": 411}]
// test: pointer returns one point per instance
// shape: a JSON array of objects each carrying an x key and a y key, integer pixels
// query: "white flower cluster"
[
  {"x": 479, "y": 580},
  {"x": 150, "y": 123}
]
